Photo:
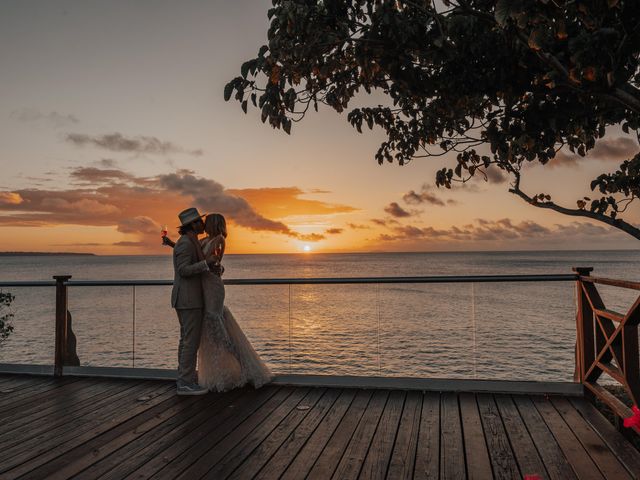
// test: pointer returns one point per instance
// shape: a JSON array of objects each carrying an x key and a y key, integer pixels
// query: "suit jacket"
[{"x": 187, "y": 284}]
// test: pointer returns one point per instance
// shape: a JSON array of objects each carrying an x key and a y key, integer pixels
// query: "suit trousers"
[{"x": 190, "y": 328}]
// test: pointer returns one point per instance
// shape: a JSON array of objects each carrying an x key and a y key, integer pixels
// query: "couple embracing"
[{"x": 209, "y": 334}]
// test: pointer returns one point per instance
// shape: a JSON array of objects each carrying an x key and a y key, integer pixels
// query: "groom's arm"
[{"x": 185, "y": 268}]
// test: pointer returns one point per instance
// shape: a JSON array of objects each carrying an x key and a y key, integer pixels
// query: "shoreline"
[{"x": 46, "y": 254}]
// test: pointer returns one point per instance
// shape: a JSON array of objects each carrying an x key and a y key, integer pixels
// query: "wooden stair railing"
[{"x": 607, "y": 342}]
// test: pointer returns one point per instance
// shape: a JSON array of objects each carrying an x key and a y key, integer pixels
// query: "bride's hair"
[{"x": 215, "y": 225}]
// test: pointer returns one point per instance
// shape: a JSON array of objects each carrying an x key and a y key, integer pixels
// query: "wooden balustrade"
[{"x": 607, "y": 342}]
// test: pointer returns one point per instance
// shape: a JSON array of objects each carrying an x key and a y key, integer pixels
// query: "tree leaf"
[{"x": 228, "y": 90}]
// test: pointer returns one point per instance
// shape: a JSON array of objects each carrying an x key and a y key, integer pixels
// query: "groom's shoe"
[{"x": 191, "y": 389}]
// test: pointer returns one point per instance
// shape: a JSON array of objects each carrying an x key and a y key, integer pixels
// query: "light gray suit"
[{"x": 186, "y": 298}]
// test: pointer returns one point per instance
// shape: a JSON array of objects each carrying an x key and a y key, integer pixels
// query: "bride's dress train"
[{"x": 226, "y": 358}]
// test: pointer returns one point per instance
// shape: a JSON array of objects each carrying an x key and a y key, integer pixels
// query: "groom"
[{"x": 189, "y": 264}]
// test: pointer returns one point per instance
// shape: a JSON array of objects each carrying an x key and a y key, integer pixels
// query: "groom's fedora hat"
[{"x": 188, "y": 216}]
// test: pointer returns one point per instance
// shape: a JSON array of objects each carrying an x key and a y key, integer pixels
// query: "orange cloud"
[
  {"x": 285, "y": 201},
  {"x": 10, "y": 198},
  {"x": 138, "y": 205}
]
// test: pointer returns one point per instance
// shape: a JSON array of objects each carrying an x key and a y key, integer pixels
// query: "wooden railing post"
[
  {"x": 585, "y": 353},
  {"x": 61, "y": 323}
]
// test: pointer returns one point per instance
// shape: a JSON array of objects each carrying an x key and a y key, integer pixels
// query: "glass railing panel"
[
  {"x": 102, "y": 324},
  {"x": 426, "y": 330},
  {"x": 33, "y": 338},
  {"x": 262, "y": 312},
  {"x": 156, "y": 328},
  {"x": 525, "y": 331},
  {"x": 334, "y": 330}
]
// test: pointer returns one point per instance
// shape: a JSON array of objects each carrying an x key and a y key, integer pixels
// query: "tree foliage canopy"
[{"x": 525, "y": 77}]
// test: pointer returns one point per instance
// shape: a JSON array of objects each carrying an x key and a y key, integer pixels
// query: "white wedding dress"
[{"x": 226, "y": 359}]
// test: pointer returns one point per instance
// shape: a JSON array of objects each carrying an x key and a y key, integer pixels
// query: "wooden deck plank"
[
  {"x": 21, "y": 396},
  {"x": 376, "y": 462},
  {"x": 476, "y": 454},
  {"x": 130, "y": 456},
  {"x": 290, "y": 448},
  {"x": 503, "y": 460},
  {"x": 51, "y": 417},
  {"x": 403, "y": 457},
  {"x": 239, "y": 445},
  {"x": 59, "y": 422},
  {"x": 109, "y": 419},
  {"x": 573, "y": 450},
  {"x": 100, "y": 429},
  {"x": 624, "y": 451},
  {"x": 15, "y": 382},
  {"x": 305, "y": 459},
  {"x": 170, "y": 462},
  {"x": 356, "y": 451},
  {"x": 330, "y": 456},
  {"x": 428, "y": 449},
  {"x": 38, "y": 406},
  {"x": 134, "y": 422},
  {"x": 452, "y": 463},
  {"x": 251, "y": 464},
  {"x": 84, "y": 456},
  {"x": 556, "y": 464},
  {"x": 195, "y": 466},
  {"x": 67, "y": 424},
  {"x": 66, "y": 397},
  {"x": 591, "y": 441},
  {"x": 527, "y": 456}
]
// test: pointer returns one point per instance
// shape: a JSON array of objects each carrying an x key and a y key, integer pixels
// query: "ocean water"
[{"x": 518, "y": 331}]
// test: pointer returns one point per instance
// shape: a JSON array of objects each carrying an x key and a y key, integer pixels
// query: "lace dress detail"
[{"x": 226, "y": 358}]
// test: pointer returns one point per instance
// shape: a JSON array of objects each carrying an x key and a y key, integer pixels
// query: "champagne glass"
[{"x": 164, "y": 230}]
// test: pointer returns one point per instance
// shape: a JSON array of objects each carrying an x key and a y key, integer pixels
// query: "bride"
[{"x": 226, "y": 359}]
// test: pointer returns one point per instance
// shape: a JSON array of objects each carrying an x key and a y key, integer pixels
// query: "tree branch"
[{"x": 614, "y": 222}]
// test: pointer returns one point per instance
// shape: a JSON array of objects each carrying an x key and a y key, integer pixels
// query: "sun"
[{"x": 307, "y": 248}]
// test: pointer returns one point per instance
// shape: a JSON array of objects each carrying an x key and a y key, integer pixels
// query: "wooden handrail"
[
  {"x": 611, "y": 281},
  {"x": 607, "y": 342}
]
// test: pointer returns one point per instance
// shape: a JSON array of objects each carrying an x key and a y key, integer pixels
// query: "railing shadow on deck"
[{"x": 601, "y": 345}]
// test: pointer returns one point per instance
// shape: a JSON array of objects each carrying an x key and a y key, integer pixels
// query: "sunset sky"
[{"x": 112, "y": 120}]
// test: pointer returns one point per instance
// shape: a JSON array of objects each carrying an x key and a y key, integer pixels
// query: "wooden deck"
[{"x": 106, "y": 428}]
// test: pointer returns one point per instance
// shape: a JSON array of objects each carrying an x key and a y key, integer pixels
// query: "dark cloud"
[
  {"x": 107, "y": 163},
  {"x": 334, "y": 231},
  {"x": 99, "y": 175},
  {"x": 496, "y": 230},
  {"x": 141, "y": 224},
  {"x": 495, "y": 174},
  {"x": 356, "y": 226},
  {"x": 87, "y": 244},
  {"x": 425, "y": 195},
  {"x": 384, "y": 222},
  {"x": 396, "y": 210},
  {"x": 613, "y": 149},
  {"x": 310, "y": 237},
  {"x": 130, "y": 244},
  {"x": 210, "y": 196},
  {"x": 29, "y": 115},
  {"x": 116, "y": 142}
]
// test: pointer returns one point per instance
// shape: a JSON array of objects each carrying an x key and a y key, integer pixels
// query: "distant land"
[{"x": 44, "y": 254}]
